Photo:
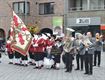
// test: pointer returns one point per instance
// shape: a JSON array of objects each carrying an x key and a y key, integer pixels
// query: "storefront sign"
[{"x": 83, "y": 21}]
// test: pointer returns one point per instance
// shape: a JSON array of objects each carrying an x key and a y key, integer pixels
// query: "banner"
[
  {"x": 57, "y": 25},
  {"x": 20, "y": 36}
]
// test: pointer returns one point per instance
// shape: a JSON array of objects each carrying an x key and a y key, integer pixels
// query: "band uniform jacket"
[{"x": 8, "y": 46}]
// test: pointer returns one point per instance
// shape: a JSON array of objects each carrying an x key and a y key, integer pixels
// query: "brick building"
[{"x": 31, "y": 12}]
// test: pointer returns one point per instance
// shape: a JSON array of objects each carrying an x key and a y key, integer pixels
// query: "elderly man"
[{"x": 89, "y": 51}]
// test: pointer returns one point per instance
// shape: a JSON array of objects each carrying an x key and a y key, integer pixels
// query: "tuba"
[{"x": 86, "y": 41}]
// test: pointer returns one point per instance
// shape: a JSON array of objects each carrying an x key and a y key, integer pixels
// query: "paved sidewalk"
[{"x": 13, "y": 72}]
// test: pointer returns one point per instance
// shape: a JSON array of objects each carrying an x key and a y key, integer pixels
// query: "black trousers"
[
  {"x": 31, "y": 55},
  {"x": 24, "y": 57},
  {"x": 57, "y": 58},
  {"x": 64, "y": 59},
  {"x": 97, "y": 54},
  {"x": 10, "y": 55},
  {"x": 38, "y": 56},
  {"x": 88, "y": 63},
  {"x": 69, "y": 59},
  {"x": 17, "y": 55},
  {"x": 80, "y": 61},
  {"x": 0, "y": 55}
]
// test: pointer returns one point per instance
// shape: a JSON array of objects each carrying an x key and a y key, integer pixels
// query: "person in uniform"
[
  {"x": 69, "y": 51},
  {"x": 9, "y": 51},
  {"x": 97, "y": 52},
  {"x": 39, "y": 49},
  {"x": 56, "y": 52},
  {"x": 31, "y": 55},
  {"x": 76, "y": 44},
  {"x": 79, "y": 50},
  {"x": 89, "y": 51}
]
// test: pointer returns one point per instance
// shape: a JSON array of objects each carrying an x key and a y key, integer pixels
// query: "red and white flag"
[{"x": 20, "y": 35}]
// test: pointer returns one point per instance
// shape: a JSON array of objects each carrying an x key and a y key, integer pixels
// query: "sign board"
[
  {"x": 57, "y": 25},
  {"x": 83, "y": 21}
]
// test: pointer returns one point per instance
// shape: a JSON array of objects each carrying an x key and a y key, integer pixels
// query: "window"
[
  {"x": 21, "y": 7},
  {"x": 86, "y": 4},
  {"x": 46, "y": 8}
]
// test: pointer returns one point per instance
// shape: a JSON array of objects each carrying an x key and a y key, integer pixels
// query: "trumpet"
[{"x": 97, "y": 38}]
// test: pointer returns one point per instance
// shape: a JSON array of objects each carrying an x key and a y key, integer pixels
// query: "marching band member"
[
  {"x": 76, "y": 44},
  {"x": 56, "y": 52},
  {"x": 89, "y": 51},
  {"x": 69, "y": 51},
  {"x": 39, "y": 49},
  {"x": 9, "y": 51},
  {"x": 97, "y": 52},
  {"x": 50, "y": 41},
  {"x": 31, "y": 54}
]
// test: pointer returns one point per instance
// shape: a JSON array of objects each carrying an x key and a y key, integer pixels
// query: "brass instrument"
[
  {"x": 86, "y": 42},
  {"x": 97, "y": 38}
]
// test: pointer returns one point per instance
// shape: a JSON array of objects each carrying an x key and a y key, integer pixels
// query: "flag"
[{"x": 20, "y": 36}]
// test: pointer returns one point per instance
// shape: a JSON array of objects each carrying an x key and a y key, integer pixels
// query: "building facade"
[
  {"x": 85, "y": 15},
  {"x": 40, "y": 12}
]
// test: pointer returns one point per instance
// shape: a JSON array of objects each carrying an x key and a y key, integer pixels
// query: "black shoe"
[
  {"x": 94, "y": 65},
  {"x": 67, "y": 71},
  {"x": 16, "y": 64},
  {"x": 35, "y": 67},
  {"x": 53, "y": 67},
  {"x": 25, "y": 65},
  {"x": 85, "y": 73},
  {"x": 42, "y": 65},
  {"x": 21, "y": 64},
  {"x": 77, "y": 69},
  {"x": 10, "y": 63},
  {"x": 30, "y": 62}
]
